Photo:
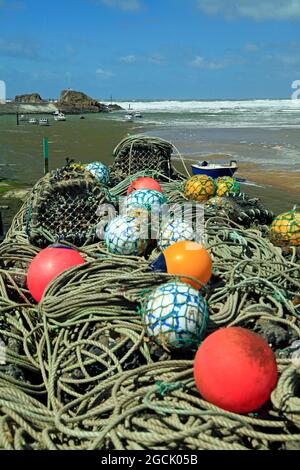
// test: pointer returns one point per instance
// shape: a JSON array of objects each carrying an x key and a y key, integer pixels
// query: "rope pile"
[{"x": 81, "y": 373}]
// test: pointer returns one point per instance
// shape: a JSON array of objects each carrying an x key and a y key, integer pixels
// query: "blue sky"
[{"x": 165, "y": 49}]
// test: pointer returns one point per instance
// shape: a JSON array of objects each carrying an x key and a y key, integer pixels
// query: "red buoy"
[
  {"x": 144, "y": 183},
  {"x": 235, "y": 369},
  {"x": 47, "y": 265}
]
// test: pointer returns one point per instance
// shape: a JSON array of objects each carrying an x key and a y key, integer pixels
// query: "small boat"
[
  {"x": 44, "y": 122},
  {"x": 59, "y": 117},
  {"x": 132, "y": 115},
  {"x": 215, "y": 170},
  {"x": 82, "y": 117},
  {"x": 22, "y": 117},
  {"x": 129, "y": 117},
  {"x": 33, "y": 121}
]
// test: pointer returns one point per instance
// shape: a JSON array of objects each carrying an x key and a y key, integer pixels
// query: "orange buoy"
[
  {"x": 144, "y": 183},
  {"x": 186, "y": 257},
  {"x": 236, "y": 370}
]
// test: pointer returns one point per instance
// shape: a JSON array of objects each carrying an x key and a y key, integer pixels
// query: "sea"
[
  {"x": 264, "y": 132},
  {"x": 219, "y": 114}
]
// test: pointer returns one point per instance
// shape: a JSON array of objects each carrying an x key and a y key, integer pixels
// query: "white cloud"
[
  {"x": 125, "y": 5},
  {"x": 104, "y": 74},
  {"x": 251, "y": 47},
  {"x": 201, "y": 63},
  {"x": 157, "y": 59},
  {"x": 128, "y": 59},
  {"x": 283, "y": 60},
  {"x": 255, "y": 9}
]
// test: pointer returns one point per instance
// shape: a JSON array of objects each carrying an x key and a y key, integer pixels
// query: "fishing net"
[
  {"x": 82, "y": 372},
  {"x": 175, "y": 316},
  {"x": 242, "y": 209},
  {"x": 227, "y": 186},
  {"x": 127, "y": 235},
  {"x": 137, "y": 153},
  {"x": 63, "y": 207}
]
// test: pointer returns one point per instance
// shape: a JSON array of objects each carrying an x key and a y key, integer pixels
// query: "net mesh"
[
  {"x": 227, "y": 186},
  {"x": 285, "y": 229},
  {"x": 241, "y": 208},
  {"x": 200, "y": 188},
  {"x": 137, "y": 153},
  {"x": 64, "y": 206},
  {"x": 175, "y": 316},
  {"x": 127, "y": 235}
]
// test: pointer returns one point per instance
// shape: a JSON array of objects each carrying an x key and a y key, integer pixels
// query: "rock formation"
[
  {"x": 70, "y": 102},
  {"x": 76, "y": 102},
  {"x": 32, "y": 98}
]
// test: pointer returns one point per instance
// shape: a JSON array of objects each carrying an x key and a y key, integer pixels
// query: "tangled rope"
[{"x": 80, "y": 372}]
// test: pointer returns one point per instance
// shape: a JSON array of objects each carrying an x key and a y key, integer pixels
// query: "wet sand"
[{"x": 21, "y": 148}]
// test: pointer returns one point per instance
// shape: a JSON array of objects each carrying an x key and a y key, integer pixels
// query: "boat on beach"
[
  {"x": 131, "y": 115},
  {"x": 44, "y": 122},
  {"x": 59, "y": 117},
  {"x": 215, "y": 170}
]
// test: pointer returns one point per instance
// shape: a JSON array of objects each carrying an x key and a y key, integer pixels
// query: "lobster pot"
[
  {"x": 134, "y": 155},
  {"x": 63, "y": 207}
]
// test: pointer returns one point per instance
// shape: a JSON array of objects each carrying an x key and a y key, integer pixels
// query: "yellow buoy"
[
  {"x": 285, "y": 229},
  {"x": 200, "y": 188},
  {"x": 227, "y": 186}
]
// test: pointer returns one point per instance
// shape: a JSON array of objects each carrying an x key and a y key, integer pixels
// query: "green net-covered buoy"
[
  {"x": 148, "y": 199},
  {"x": 175, "y": 316},
  {"x": 285, "y": 229},
  {"x": 227, "y": 186}
]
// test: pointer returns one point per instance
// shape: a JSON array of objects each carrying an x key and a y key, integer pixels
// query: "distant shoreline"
[{"x": 22, "y": 108}]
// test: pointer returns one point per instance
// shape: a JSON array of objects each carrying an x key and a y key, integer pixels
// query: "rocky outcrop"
[
  {"x": 70, "y": 102},
  {"x": 76, "y": 102},
  {"x": 115, "y": 107},
  {"x": 33, "y": 98}
]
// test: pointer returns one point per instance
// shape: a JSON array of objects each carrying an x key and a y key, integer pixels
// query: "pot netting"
[
  {"x": 63, "y": 207},
  {"x": 138, "y": 153}
]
